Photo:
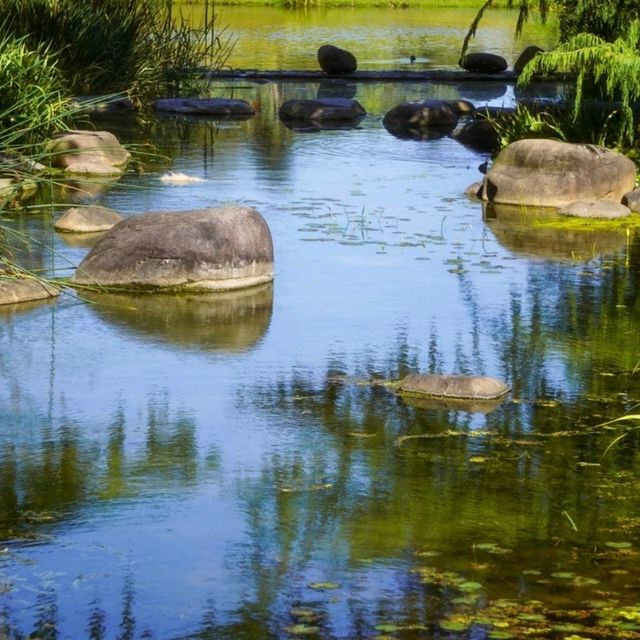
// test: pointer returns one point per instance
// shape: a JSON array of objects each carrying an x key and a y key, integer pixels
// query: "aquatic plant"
[{"x": 108, "y": 46}]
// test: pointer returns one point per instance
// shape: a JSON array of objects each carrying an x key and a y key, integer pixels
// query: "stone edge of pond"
[{"x": 433, "y": 75}]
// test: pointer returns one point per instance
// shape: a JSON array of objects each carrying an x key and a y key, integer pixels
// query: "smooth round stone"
[
  {"x": 595, "y": 209},
  {"x": 450, "y": 386},
  {"x": 16, "y": 290},
  {"x": 87, "y": 220},
  {"x": 88, "y": 152},
  {"x": 632, "y": 200},
  {"x": 483, "y": 63},
  {"x": 336, "y": 61},
  {"x": 201, "y": 250}
]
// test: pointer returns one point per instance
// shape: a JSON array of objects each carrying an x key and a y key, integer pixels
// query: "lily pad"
[
  {"x": 303, "y": 630},
  {"x": 470, "y": 586},
  {"x": 617, "y": 545},
  {"x": 324, "y": 586}
]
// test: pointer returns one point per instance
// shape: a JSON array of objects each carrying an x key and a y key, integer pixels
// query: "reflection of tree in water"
[{"x": 65, "y": 471}]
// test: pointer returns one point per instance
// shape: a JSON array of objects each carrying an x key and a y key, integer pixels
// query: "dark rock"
[
  {"x": 595, "y": 209},
  {"x": 88, "y": 152},
  {"x": 202, "y": 250},
  {"x": 549, "y": 173},
  {"x": 421, "y": 119},
  {"x": 461, "y": 107},
  {"x": 525, "y": 57},
  {"x": 322, "y": 110},
  {"x": 14, "y": 290},
  {"x": 87, "y": 219},
  {"x": 223, "y": 108},
  {"x": 334, "y": 61},
  {"x": 448, "y": 386},
  {"x": 483, "y": 63},
  {"x": 632, "y": 200},
  {"x": 478, "y": 134}
]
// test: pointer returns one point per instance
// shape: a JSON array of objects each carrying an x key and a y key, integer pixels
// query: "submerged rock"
[
  {"x": 595, "y": 209},
  {"x": 220, "y": 107},
  {"x": 334, "y": 61},
  {"x": 450, "y": 386},
  {"x": 14, "y": 290},
  {"x": 550, "y": 173},
  {"x": 202, "y": 250},
  {"x": 87, "y": 220},
  {"x": 88, "y": 152}
]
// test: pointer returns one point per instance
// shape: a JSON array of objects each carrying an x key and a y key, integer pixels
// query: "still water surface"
[{"x": 180, "y": 467}]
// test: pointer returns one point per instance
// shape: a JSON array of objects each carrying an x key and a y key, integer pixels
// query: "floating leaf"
[
  {"x": 454, "y": 626},
  {"x": 470, "y": 586},
  {"x": 564, "y": 575},
  {"x": 324, "y": 586},
  {"x": 387, "y": 627},
  {"x": 303, "y": 630},
  {"x": 500, "y": 635}
]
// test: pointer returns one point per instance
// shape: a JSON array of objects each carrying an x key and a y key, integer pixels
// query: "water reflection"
[
  {"x": 529, "y": 231},
  {"x": 222, "y": 321}
]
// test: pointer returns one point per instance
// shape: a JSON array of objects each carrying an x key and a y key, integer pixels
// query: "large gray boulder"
[
  {"x": 202, "y": 250},
  {"x": 322, "y": 110},
  {"x": 336, "y": 61},
  {"x": 219, "y": 107},
  {"x": 452, "y": 386},
  {"x": 14, "y": 290},
  {"x": 88, "y": 152},
  {"x": 550, "y": 173},
  {"x": 483, "y": 63},
  {"x": 421, "y": 119},
  {"x": 87, "y": 220}
]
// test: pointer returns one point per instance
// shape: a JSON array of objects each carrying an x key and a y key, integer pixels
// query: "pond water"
[
  {"x": 380, "y": 38},
  {"x": 183, "y": 467}
]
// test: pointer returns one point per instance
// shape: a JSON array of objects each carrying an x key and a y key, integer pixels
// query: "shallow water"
[{"x": 194, "y": 468}]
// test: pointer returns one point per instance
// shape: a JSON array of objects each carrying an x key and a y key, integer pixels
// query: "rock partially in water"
[
  {"x": 604, "y": 209},
  {"x": 336, "y": 61},
  {"x": 228, "y": 321},
  {"x": 452, "y": 404},
  {"x": 483, "y": 62},
  {"x": 461, "y": 107},
  {"x": 87, "y": 219},
  {"x": 528, "y": 54},
  {"x": 219, "y": 107},
  {"x": 421, "y": 119},
  {"x": 632, "y": 200},
  {"x": 202, "y": 250},
  {"x": 450, "y": 386},
  {"x": 478, "y": 134},
  {"x": 322, "y": 110},
  {"x": 88, "y": 152},
  {"x": 550, "y": 173},
  {"x": 474, "y": 190},
  {"x": 15, "y": 290}
]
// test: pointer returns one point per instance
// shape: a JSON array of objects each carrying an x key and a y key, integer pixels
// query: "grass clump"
[{"x": 137, "y": 47}]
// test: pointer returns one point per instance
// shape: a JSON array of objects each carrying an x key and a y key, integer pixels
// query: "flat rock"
[
  {"x": 632, "y": 200},
  {"x": 202, "y": 250},
  {"x": 550, "y": 173},
  {"x": 595, "y": 209},
  {"x": 450, "y": 386},
  {"x": 322, "y": 110},
  {"x": 14, "y": 290},
  {"x": 88, "y": 152},
  {"x": 87, "y": 220},
  {"x": 221, "y": 107}
]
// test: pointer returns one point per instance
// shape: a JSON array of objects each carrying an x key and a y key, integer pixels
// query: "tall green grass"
[{"x": 136, "y": 47}]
